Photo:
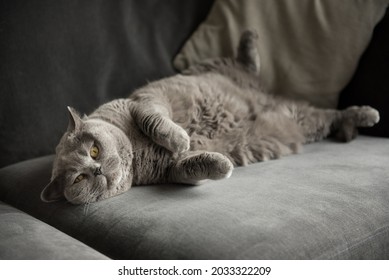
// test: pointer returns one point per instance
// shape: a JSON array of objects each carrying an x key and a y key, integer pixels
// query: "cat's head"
[{"x": 93, "y": 162}]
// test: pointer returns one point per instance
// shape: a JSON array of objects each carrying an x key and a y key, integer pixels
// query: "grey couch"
[{"x": 331, "y": 201}]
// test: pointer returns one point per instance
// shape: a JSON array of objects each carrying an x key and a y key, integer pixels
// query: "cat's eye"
[
  {"x": 94, "y": 152},
  {"x": 79, "y": 178}
]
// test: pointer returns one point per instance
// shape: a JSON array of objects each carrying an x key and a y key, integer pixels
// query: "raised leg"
[
  {"x": 247, "y": 51},
  {"x": 197, "y": 166},
  {"x": 317, "y": 123}
]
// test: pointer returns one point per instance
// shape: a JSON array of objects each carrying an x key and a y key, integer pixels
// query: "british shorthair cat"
[{"x": 189, "y": 128}]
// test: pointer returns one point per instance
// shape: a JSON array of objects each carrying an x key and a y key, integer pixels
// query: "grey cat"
[{"x": 189, "y": 128}]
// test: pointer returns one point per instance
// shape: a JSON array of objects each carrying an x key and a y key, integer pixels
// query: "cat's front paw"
[
  {"x": 218, "y": 165},
  {"x": 179, "y": 141},
  {"x": 195, "y": 167}
]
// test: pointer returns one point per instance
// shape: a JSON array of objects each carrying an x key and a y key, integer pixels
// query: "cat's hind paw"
[
  {"x": 354, "y": 117},
  {"x": 364, "y": 116}
]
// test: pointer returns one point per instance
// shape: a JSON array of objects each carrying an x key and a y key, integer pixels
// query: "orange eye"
[
  {"x": 94, "y": 152},
  {"x": 79, "y": 178}
]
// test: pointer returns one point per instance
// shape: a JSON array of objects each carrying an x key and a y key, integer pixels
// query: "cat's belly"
[
  {"x": 243, "y": 124},
  {"x": 211, "y": 106}
]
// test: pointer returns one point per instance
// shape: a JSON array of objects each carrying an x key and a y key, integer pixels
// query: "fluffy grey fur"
[{"x": 189, "y": 128}]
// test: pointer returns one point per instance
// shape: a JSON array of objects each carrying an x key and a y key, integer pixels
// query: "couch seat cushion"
[{"x": 329, "y": 202}]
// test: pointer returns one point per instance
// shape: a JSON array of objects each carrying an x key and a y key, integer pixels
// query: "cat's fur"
[{"x": 189, "y": 128}]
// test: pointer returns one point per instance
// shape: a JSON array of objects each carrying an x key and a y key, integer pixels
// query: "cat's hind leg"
[
  {"x": 194, "y": 167},
  {"x": 317, "y": 124},
  {"x": 248, "y": 54}
]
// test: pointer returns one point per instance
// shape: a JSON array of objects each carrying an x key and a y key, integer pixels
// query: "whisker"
[
  {"x": 86, "y": 208},
  {"x": 89, "y": 201}
]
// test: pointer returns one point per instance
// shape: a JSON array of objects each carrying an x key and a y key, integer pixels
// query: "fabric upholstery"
[
  {"x": 308, "y": 49},
  {"x": 329, "y": 202},
  {"x": 23, "y": 237},
  {"x": 79, "y": 53},
  {"x": 370, "y": 84}
]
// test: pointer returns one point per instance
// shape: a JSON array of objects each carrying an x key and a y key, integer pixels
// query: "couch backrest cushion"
[
  {"x": 308, "y": 49},
  {"x": 82, "y": 54}
]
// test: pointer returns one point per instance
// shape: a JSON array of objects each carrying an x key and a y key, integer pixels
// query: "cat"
[{"x": 190, "y": 128}]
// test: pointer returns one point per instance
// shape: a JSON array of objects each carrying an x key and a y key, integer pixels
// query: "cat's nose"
[{"x": 97, "y": 171}]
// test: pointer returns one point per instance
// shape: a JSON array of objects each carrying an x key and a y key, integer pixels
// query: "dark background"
[
  {"x": 370, "y": 84},
  {"x": 80, "y": 53}
]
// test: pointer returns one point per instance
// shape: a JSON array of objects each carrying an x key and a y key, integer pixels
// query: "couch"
[{"x": 331, "y": 201}]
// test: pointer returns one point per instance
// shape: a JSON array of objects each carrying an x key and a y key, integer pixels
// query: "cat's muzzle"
[{"x": 97, "y": 171}]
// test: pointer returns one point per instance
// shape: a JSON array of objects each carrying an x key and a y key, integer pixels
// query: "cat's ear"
[
  {"x": 248, "y": 54},
  {"x": 75, "y": 120},
  {"x": 54, "y": 191}
]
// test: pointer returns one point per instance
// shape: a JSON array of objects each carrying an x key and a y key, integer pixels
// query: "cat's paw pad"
[
  {"x": 364, "y": 116},
  {"x": 219, "y": 166}
]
